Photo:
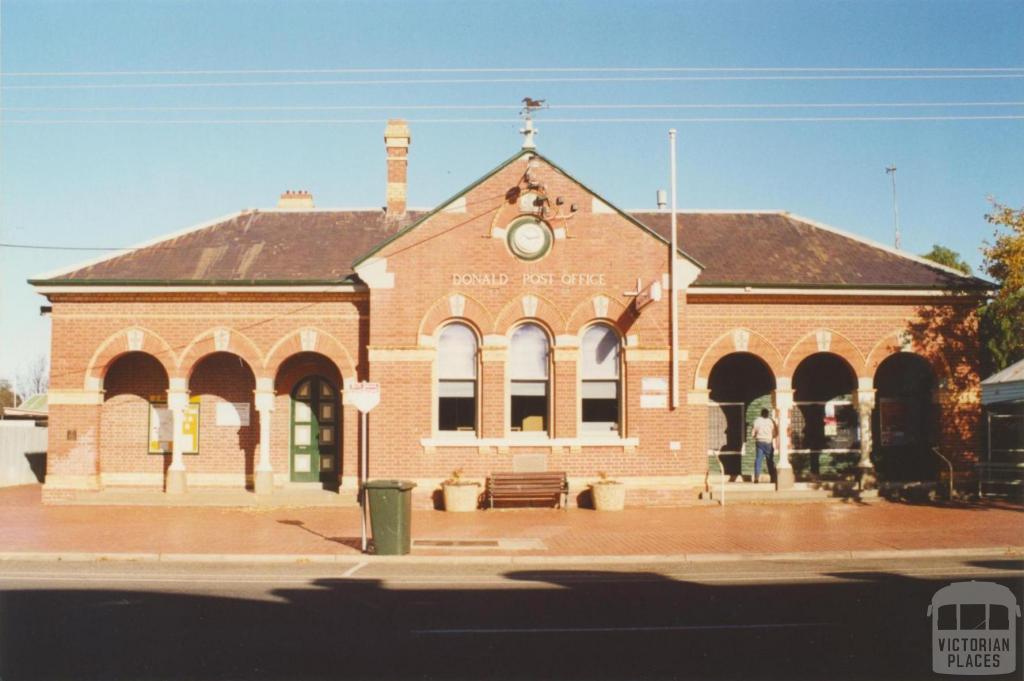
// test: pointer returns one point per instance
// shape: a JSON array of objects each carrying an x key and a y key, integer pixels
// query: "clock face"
[{"x": 529, "y": 239}]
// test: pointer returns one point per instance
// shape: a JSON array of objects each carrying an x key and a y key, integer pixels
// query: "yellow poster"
[{"x": 161, "y": 428}]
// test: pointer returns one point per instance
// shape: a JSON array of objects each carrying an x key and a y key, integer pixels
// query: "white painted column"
[
  {"x": 865, "y": 397},
  {"x": 177, "y": 403},
  {"x": 264, "y": 399},
  {"x": 783, "y": 399}
]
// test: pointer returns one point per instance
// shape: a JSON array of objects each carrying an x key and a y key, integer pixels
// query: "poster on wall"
[
  {"x": 161, "y": 428},
  {"x": 893, "y": 416},
  {"x": 831, "y": 424}
]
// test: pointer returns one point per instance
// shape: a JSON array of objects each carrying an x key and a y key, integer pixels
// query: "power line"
[
  {"x": 499, "y": 81},
  {"x": 505, "y": 121},
  {"x": 523, "y": 69},
  {"x": 507, "y": 107}
]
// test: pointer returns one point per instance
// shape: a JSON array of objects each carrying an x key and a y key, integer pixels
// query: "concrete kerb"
[{"x": 353, "y": 559}]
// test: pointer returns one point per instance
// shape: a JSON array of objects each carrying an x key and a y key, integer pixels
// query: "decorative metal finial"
[{"x": 528, "y": 131}]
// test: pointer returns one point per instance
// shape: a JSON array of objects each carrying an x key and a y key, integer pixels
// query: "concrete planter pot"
[
  {"x": 608, "y": 496},
  {"x": 462, "y": 497}
]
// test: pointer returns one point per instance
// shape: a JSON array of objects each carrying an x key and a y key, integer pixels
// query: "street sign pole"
[{"x": 365, "y": 396}]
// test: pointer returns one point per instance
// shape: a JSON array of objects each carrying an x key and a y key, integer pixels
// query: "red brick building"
[{"x": 517, "y": 325}]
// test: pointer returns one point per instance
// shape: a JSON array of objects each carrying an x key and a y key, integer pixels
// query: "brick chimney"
[
  {"x": 295, "y": 200},
  {"x": 396, "y": 141}
]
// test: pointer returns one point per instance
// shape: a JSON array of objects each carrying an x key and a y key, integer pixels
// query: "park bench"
[{"x": 526, "y": 488}]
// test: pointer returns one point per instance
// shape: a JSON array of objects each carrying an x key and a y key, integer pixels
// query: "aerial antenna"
[
  {"x": 528, "y": 132},
  {"x": 891, "y": 170}
]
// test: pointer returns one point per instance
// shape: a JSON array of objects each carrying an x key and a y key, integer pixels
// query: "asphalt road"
[{"x": 738, "y": 620}]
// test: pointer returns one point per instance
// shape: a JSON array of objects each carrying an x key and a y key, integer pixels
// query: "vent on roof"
[{"x": 295, "y": 200}]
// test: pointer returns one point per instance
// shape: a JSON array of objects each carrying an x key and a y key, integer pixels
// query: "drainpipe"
[{"x": 673, "y": 277}]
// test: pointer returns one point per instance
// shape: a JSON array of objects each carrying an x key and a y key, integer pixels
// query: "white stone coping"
[{"x": 527, "y": 440}]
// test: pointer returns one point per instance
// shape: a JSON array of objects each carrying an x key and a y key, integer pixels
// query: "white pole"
[
  {"x": 674, "y": 295},
  {"x": 364, "y": 505}
]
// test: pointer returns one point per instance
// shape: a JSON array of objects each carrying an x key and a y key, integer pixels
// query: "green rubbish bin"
[{"x": 390, "y": 515}]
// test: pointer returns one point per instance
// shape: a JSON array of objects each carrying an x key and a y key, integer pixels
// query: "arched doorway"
[
  {"x": 903, "y": 422},
  {"x": 135, "y": 425},
  {"x": 824, "y": 434},
  {"x": 740, "y": 385},
  {"x": 221, "y": 386},
  {"x": 315, "y": 431}
]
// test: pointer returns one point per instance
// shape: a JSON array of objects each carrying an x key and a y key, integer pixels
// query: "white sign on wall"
[{"x": 233, "y": 414}]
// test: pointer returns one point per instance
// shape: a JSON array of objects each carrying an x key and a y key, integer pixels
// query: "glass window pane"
[
  {"x": 456, "y": 352},
  {"x": 456, "y": 389},
  {"x": 972, "y": 616},
  {"x": 302, "y": 463},
  {"x": 303, "y": 414},
  {"x": 327, "y": 434},
  {"x": 326, "y": 390},
  {"x": 326, "y": 463},
  {"x": 303, "y": 436},
  {"x": 599, "y": 390},
  {"x": 303, "y": 390},
  {"x": 947, "y": 618},
  {"x": 529, "y": 388},
  {"x": 529, "y": 413},
  {"x": 998, "y": 617},
  {"x": 456, "y": 413},
  {"x": 528, "y": 353},
  {"x": 600, "y": 353},
  {"x": 327, "y": 411}
]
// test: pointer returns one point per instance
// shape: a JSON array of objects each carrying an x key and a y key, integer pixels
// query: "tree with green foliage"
[
  {"x": 1002, "y": 320},
  {"x": 948, "y": 257}
]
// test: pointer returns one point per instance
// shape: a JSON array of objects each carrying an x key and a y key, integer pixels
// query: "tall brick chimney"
[{"x": 396, "y": 141}]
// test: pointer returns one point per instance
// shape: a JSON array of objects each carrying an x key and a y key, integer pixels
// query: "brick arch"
[
  {"x": 733, "y": 341},
  {"x": 583, "y": 315},
  {"x": 210, "y": 341},
  {"x": 513, "y": 313},
  {"x": 310, "y": 339},
  {"x": 131, "y": 339},
  {"x": 838, "y": 344},
  {"x": 474, "y": 312},
  {"x": 899, "y": 341}
]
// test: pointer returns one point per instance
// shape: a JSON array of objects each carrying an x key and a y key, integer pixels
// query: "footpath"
[{"x": 32, "y": 531}]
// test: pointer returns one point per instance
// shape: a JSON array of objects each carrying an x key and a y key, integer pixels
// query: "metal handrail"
[{"x": 949, "y": 464}]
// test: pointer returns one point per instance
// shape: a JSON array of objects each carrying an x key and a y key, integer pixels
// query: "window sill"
[{"x": 517, "y": 440}]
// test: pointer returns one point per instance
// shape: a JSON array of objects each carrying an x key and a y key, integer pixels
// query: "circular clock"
[{"x": 529, "y": 239}]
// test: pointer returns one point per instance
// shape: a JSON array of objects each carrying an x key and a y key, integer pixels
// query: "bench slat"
[{"x": 528, "y": 487}]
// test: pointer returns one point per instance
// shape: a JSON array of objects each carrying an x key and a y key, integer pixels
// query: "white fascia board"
[
  {"x": 242, "y": 289},
  {"x": 875, "y": 244},
  {"x": 145, "y": 244},
  {"x": 823, "y": 291}
]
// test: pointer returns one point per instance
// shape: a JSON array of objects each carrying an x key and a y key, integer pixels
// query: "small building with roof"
[{"x": 522, "y": 324}]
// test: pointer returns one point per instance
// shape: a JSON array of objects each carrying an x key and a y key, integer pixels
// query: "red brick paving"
[{"x": 28, "y": 526}]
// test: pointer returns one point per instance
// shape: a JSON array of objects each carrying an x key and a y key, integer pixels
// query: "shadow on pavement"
[{"x": 541, "y": 624}]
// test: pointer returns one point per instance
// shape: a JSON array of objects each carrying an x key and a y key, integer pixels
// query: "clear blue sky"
[{"x": 116, "y": 184}]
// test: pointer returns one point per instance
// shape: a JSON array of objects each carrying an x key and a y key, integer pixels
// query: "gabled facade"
[{"x": 523, "y": 324}]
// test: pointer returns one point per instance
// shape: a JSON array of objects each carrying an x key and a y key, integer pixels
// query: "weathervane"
[{"x": 528, "y": 131}]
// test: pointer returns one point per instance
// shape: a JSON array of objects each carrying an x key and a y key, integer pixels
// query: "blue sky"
[{"x": 116, "y": 184}]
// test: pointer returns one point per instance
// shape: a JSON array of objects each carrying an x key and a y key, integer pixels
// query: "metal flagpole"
[{"x": 674, "y": 292}]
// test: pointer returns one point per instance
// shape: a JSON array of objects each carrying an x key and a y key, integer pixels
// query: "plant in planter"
[
  {"x": 460, "y": 495},
  {"x": 608, "y": 494}
]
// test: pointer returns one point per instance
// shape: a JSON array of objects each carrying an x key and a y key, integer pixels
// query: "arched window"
[
  {"x": 528, "y": 362},
  {"x": 456, "y": 378},
  {"x": 600, "y": 393}
]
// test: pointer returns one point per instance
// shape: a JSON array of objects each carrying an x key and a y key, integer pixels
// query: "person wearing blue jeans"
[{"x": 763, "y": 431}]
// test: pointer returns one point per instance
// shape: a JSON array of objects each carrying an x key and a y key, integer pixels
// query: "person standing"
[{"x": 764, "y": 431}]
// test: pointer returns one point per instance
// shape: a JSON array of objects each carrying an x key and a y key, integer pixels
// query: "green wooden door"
[{"x": 315, "y": 432}]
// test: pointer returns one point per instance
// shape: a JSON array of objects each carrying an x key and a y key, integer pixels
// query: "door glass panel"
[
  {"x": 302, "y": 463},
  {"x": 303, "y": 414},
  {"x": 327, "y": 435},
  {"x": 326, "y": 411},
  {"x": 326, "y": 390},
  {"x": 303, "y": 390},
  {"x": 303, "y": 435},
  {"x": 326, "y": 463}
]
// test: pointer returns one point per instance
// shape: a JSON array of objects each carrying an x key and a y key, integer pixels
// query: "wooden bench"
[{"x": 528, "y": 487}]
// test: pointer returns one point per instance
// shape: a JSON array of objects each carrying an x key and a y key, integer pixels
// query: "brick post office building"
[{"x": 516, "y": 326}]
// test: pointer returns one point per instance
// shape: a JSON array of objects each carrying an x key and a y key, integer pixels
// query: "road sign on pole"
[{"x": 365, "y": 396}]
